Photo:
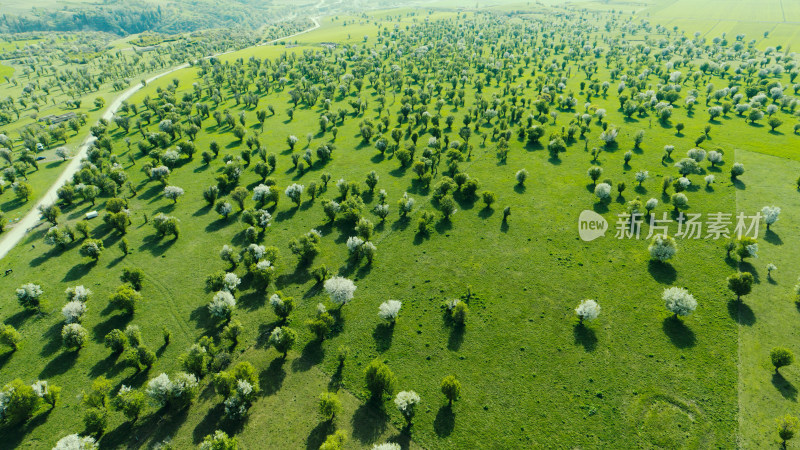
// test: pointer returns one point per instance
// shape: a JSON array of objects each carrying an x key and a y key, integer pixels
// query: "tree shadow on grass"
[
  {"x": 369, "y": 422},
  {"x": 107, "y": 366},
  {"x": 78, "y": 271},
  {"x": 164, "y": 425},
  {"x": 445, "y": 421},
  {"x": 252, "y": 300},
  {"x": 58, "y": 365},
  {"x": 271, "y": 379},
  {"x": 745, "y": 266},
  {"x": 336, "y": 379},
  {"x": 456, "y": 338},
  {"x": 382, "y": 335},
  {"x": 677, "y": 331},
  {"x": 519, "y": 188},
  {"x": 19, "y": 318},
  {"x": 319, "y": 434},
  {"x": 663, "y": 272},
  {"x": 787, "y": 389},
  {"x": 741, "y": 313},
  {"x": 485, "y": 213},
  {"x": 53, "y": 337},
  {"x": 117, "y": 321},
  {"x": 311, "y": 355},
  {"x": 771, "y": 237},
  {"x": 209, "y": 423},
  {"x": 5, "y": 357},
  {"x": 14, "y": 434},
  {"x": 585, "y": 336}
]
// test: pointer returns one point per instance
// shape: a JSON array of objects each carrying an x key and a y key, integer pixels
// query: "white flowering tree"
[
  {"x": 603, "y": 191},
  {"x": 340, "y": 290},
  {"x": 222, "y": 305},
  {"x": 389, "y": 310},
  {"x": 73, "y": 311},
  {"x": 29, "y": 296},
  {"x": 78, "y": 293},
  {"x": 662, "y": 247},
  {"x": 230, "y": 282},
  {"x": 641, "y": 176},
  {"x": 770, "y": 214},
  {"x": 587, "y": 310},
  {"x": 295, "y": 193},
  {"x": 406, "y": 402},
  {"x": 261, "y": 194},
  {"x": 679, "y": 301},
  {"x": 173, "y": 193},
  {"x": 75, "y": 442}
]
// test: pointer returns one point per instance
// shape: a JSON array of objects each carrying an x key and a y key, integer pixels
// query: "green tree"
[
  {"x": 379, "y": 379},
  {"x": 781, "y": 357},
  {"x": 451, "y": 388}
]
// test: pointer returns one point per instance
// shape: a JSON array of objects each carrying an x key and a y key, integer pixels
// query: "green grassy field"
[{"x": 531, "y": 379}]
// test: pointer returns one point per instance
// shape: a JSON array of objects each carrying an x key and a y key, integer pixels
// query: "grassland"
[{"x": 635, "y": 377}]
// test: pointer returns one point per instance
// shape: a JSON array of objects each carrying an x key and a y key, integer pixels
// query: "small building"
[
  {"x": 91, "y": 214},
  {"x": 54, "y": 119}
]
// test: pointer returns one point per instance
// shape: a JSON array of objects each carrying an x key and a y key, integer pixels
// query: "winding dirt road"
[{"x": 14, "y": 234}]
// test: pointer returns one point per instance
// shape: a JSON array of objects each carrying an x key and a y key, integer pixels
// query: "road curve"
[{"x": 14, "y": 234}]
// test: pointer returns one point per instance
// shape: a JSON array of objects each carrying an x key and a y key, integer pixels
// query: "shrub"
[
  {"x": 18, "y": 402},
  {"x": 521, "y": 176},
  {"x": 679, "y": 301},
  {"x": 73, "y": 311},
  {"x": 334, "y": 441},
  {"x": 134, "y": 335},
  {"x": 74, "y": 336},
  {"x": 75, "y": 442},
  {"x": 281, "y": 306},
  {"x": 196, "y": 360},
  {"x": 130, "y": 402},
  {"x": 95, "y": 420},
  {"x": 322, "y": 323},
  {"x": 219, "y": 441},
  {"x": 133, "y": 276},
  {"x": 662, "y": 247},
  {"x": 603, "y": 191},
  {"x": 458, "y": 312}
]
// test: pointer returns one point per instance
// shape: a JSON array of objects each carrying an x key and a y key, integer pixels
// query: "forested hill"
[{"x": 129, "y": 17}]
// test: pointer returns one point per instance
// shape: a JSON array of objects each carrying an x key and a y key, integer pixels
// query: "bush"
[
  {"x": 78, "y": 293},
  {"x": 196, "y": 360},
  {"x": 521, "y": 176},
  {"x": 222, "y": 305},
  {"x": 740, "y": 283},
  {"x": 75, "y": 442},
  {"x": 334, "y": 441},
  {"x": 281, "y": 306},
  {"x": 74, "y": 336},
  {"x": 130, "y": 402},
  {"x": 73, "y": 311},
  {"x": 788, "y": 426},
  {"x": 133, "y": 276}
]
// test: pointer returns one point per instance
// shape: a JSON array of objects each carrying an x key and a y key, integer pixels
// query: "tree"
[
  {"x": 22, "y": 190},
  {"x": 603, "y": 191},
  {"x": 173, "y": 193},
  {"x": 75, "y": 442},
  {"x": 10, "y": 337},
  {"x": 50, "y": 213},
  {"x": 283, "y": 339},
  {"x": 20, "y": 402},
  {"x": 295, "y": 193},
  {"x": 281, "y": 306},
  {"x": 788, "y": 426},
  {"x": 74, "y": 336},
  {"x": 329, "y": 406},
  {"x": 737, "y": 170},
  {"x": 594, "y": 173},
  {"x": 679, "y": 200},
  {"x": 134, "y": 276},
  {"x": 239, "y": 195},
  {"x": 130, "y": 402},
  {"x": 770, "y": 214},
  {"x": 340, "y": 290},
  {"x": 488, "y": 197},
  {"x": 587, "y": 310},
  {"x": 334, "y": 441},
  {"x": 222, "y": 305},
  {"x": 406, "y": 402},
  {"x": 219, "y": 441},
  {"x": 740, "y": 283},
  {"x": 679, "y": 301},
  {"x": 774, "y": 122},
  {"x": 92, "y": 248},
  {"x": 780, "y": 357},
  {"x": 687, "y": 166},
  {"x": 29, "y": 296},
  {"x": 389, "y": 310},
  {"x": 521, "y": 176},
  {"x": 126, "y": 298},
  {"x": 116, "y": 341},
  {"x": 746, "y": 247},
  {"x": 379, "y": 379},
  {"x": 451, "y": 388}
]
